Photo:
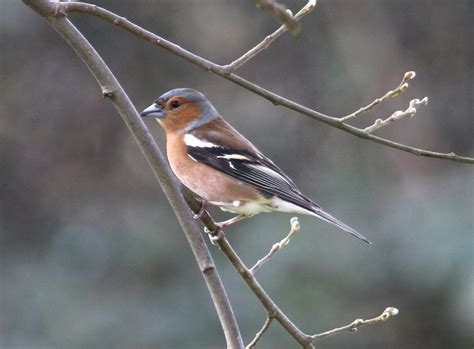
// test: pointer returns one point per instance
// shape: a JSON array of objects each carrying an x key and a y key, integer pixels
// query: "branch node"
[
  {"x": 227, "y": 69},
  {"x": 59, "y": 11},
  {"x": 281, "y": 14},
  {"x": 119, "y": 20},
  {"x": 107, "y": 92}
]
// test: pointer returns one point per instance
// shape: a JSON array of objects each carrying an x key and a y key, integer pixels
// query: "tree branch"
[
  {"x": 294, "y": 228},
  {"x": 261, "y": 332},
  {"x": 112, "y": 89},
  {"x": 399, "y": 114},
  {"x": 402, "y": 86},
  {"x": 281, "y": 14},
  {"x": 265, "y": 43},
  {"x": 354, "y": 325},
  {"x": 63, "y": 9},
  {"x": 270, "y": 306}
]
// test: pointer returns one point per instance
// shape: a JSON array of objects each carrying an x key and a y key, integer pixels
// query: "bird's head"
[{"x": 181, "y": 110}]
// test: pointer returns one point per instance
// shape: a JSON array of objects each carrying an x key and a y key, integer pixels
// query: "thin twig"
[
  {"x": 354, "y": 325},
  {"x": 261, "y": 332},
  {"x": 115, "y": 93},
  {"x": 294, "y": 228},
  {"x": 64, "y": 8},
  {"x": 399, "y": 114},
  {"x": 265, "y": 43},
  {"x": 281, "y": 14},
  {"x": 402, "y": 86}
]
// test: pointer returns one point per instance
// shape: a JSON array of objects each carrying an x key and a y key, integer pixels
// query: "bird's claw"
[
  {"x": 200, "y": 212},
  {"x": 214, "y": 236}
]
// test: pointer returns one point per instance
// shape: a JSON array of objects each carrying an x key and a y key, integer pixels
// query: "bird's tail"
[{"x": 318, "y": 212}]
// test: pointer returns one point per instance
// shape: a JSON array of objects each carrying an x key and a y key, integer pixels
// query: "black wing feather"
[
  {"x": 257, "y": 170},
  {"x": 250, "y": 168}
]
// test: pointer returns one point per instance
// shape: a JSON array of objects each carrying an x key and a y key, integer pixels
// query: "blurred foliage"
[{"x": 91, "y": 254}]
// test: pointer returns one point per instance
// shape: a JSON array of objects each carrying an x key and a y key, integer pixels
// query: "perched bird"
[{"x": 221, "y": 166}]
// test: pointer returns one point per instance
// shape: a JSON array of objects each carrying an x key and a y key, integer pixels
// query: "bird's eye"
[{"x": 175, "y": 104}]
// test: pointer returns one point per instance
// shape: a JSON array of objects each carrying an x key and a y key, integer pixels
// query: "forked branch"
[
  {"x": 402, "y": 86},
  {"x": 280, "y": 13},
  {"x": 265, "y": 43}
]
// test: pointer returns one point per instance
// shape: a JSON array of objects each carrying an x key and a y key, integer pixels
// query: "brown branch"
[
  {"x": 354, "y": 325},
  {"x": 112, "y": 89},
  {"x": 294, "y": 228},
  {"x": 270, "y": 306},
  {"x": 63, "y": 9},
  {"x": 265, "y": 43},
  {"x": 281, "y": 14}
]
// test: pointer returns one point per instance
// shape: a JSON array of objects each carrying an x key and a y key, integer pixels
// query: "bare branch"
[
  {"x": 261, "y": 332},
  {"x": 294, "y": 228},
  {"x": 265, "y": 43},
  {"x": 354, "y": 325},
  {"x": 270, "y": 306},
  {"x": 63, "y": 8},
  {"x": 281, "y": 14},
  {"x": 392, "y": 93},
  {"x": 114, "y": 91},
  {"x": 399, "y": 114}
]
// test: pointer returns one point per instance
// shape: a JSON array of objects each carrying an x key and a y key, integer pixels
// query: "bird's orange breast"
[{"x": 205, "y": 181}]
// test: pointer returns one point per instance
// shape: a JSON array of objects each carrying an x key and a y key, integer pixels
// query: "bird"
[{"x": 222, "y": 167}]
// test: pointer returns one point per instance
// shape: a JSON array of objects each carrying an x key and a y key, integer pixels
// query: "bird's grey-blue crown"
[
  {"x": 208, "y": 112},
  {"x": 188, "y": 93}
]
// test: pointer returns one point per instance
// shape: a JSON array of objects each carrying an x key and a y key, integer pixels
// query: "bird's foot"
[
  {"x": 233, "y": 220},
  {"x": 201, "y": 210},
  {"x": 214, "y": 236}
]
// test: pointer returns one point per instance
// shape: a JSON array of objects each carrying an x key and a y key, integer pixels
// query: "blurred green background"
[{"x": 91, "y": 253}]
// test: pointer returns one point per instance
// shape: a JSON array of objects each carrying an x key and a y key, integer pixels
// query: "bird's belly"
[
  {"x": 214, "y": 186},
  {"x": 245, "y": 207}
]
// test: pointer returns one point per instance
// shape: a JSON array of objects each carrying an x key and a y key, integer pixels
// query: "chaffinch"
[{"x": 221, "y": 166}]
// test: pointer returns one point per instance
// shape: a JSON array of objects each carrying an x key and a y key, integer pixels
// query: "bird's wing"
[{"x": 252, "y": 168}]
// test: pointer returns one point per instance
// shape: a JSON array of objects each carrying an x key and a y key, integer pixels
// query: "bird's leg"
[
  {"x": 233, "y": 220},
  {"x": 202, "y": 208},
  {"x": 214, "y": 236}
]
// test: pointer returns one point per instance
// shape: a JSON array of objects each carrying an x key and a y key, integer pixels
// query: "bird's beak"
[{"x": 153, "y": 110}]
